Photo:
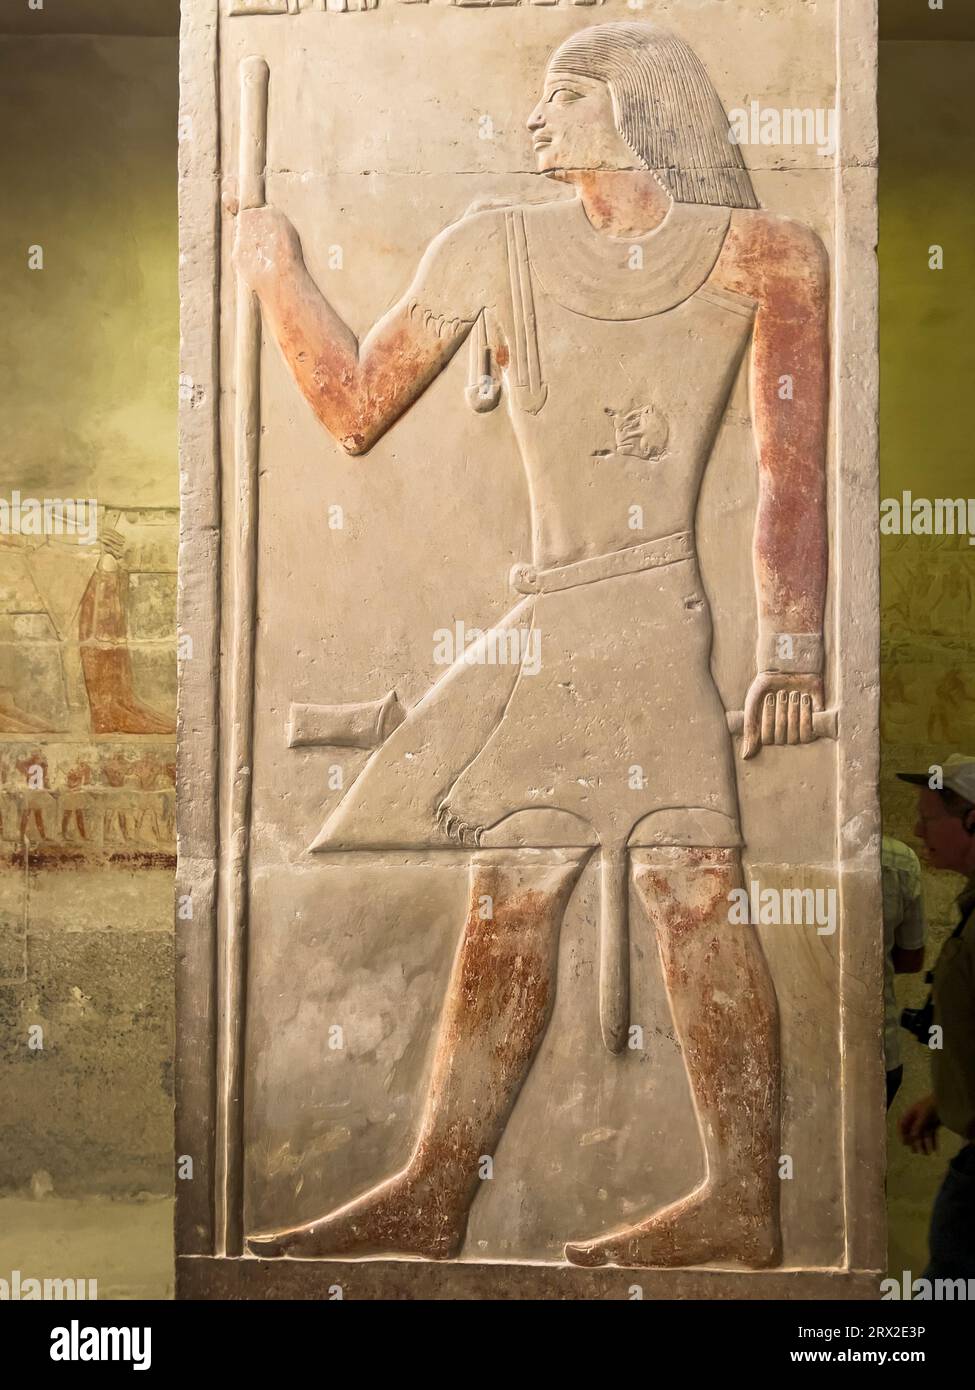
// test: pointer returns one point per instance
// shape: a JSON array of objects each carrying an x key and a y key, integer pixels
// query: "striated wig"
[{"x": 666, "y": 109}]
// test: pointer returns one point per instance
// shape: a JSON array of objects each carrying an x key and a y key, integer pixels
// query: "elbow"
[
  {"x": 356, "y": 430},
  {"x": 355, "y": 444},
  {"x": 349, "y": 430},
  {"x": 353, "y": 424}
]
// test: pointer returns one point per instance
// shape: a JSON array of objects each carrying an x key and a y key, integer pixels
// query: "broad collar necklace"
[{"x": 606, "y": 277}]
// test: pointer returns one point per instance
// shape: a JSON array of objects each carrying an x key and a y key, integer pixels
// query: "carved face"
[{"x": 574, "y": 127}]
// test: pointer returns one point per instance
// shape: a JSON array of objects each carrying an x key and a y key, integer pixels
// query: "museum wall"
[{"x": 87, "y": 616}]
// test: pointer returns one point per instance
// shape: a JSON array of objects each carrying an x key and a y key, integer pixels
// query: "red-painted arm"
[
  {"x": 358, "y": 390},
  {"x": 784, "y": 267}
]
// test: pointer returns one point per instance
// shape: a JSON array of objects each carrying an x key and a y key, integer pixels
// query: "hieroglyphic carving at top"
[
  {"x": 244, "y": 7},
  {"x": 279, "y": 7}
]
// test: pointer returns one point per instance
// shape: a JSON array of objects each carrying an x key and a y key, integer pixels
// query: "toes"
[
  {"x": 589, "y": 1255},
  {"x": 455, "y": 828},
  {"x": 267, "y": 1247}
]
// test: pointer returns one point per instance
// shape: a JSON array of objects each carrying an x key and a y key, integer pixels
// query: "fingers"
[
  {"x": 756, "y": 713},
  {"x": 262, "y": 242},
  {"x": 792, "y": 727},
  {"x": 229, "y": 195},
  {"x": 781, "y": 716},
  {"x": 905, "y": 1125},
  {"x": 768, "y": 719},
  {"x": 918, "y": 1128},
  {"x": 772, "y": 717},
  {"x": 918, "y": 1140}
]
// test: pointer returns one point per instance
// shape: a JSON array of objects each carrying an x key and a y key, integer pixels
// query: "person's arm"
[
  {"x": 784, "y": 267},
  {"x": 359, "y": 389},
  {"x": 919, "y": 1126},
  {"x": 907, "y": 962}
]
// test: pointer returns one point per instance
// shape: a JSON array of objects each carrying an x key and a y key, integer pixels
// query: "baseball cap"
[{"x": 957, "y": 774}]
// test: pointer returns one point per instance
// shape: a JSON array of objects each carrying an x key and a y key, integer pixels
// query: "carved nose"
[{"x": 536, "y": 120}]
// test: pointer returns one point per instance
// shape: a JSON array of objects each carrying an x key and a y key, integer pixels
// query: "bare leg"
[
  {"x": 14, "y": 720},
  {"x": 724, "y": 1011},
  {"x": 107, "y": 662},
  {"x": 497, "y": 1008}
]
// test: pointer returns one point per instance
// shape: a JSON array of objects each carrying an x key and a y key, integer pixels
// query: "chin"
[{"x": 548, "y": 161}]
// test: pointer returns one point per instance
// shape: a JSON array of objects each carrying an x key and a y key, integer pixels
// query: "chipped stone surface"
[{"x": 611, "y": 440}]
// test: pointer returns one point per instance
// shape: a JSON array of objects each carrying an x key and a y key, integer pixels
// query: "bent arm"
[{"x": 357, "y": 390}]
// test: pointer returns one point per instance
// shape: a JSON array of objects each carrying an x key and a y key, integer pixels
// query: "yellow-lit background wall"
[
  {"x": 927, "y": 199},
  {"x": 88, "y": 394}
]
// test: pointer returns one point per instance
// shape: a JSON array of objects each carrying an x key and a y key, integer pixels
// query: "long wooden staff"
[{"x": 232, "y": 948}]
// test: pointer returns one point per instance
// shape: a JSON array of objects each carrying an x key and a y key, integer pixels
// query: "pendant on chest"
[{"x": 641, "y": 432}]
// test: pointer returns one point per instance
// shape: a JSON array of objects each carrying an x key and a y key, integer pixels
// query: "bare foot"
[
  {"x": 703, "y": 1227},
  {"x": 400, "y": 1217},
  {"x": 16, "y": 721},
  {"x": 115, "y": 708},
  {"x": 131, "y": 717}
]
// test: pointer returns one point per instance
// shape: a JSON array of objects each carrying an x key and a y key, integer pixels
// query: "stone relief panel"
[
  {"x": 528, "y": 529},
  {"x": 294, "y": 7}
]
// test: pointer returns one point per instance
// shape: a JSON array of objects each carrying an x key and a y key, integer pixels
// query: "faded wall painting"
[
  {"x": 87, "y": 681},
  {"x": 530, "y": 831}
]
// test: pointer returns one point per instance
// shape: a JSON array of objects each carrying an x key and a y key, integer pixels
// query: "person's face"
[
  {"x": 572, "y": 127},
  {"x": 947, "y": 842}
]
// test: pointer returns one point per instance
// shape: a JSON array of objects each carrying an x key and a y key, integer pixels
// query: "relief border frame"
[{"x": 206, "y": 1266}]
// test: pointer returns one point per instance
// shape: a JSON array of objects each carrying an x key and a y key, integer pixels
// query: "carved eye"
[{"x": 567, "y": 95}]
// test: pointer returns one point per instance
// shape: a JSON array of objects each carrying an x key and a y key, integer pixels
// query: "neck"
[{"x": 621, "y": 202}]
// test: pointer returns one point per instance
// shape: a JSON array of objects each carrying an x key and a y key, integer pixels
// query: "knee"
[
  {"x": 682, "y": 886},
  {"x": 523, "y": 894}
]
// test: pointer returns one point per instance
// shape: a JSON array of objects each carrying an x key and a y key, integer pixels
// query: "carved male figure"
[
  {"x": 617, "y": 320},
  {"x": 74, "y": 598}
]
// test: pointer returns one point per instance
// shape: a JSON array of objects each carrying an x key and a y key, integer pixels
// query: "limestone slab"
[{"x": 529, "y": 559}]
